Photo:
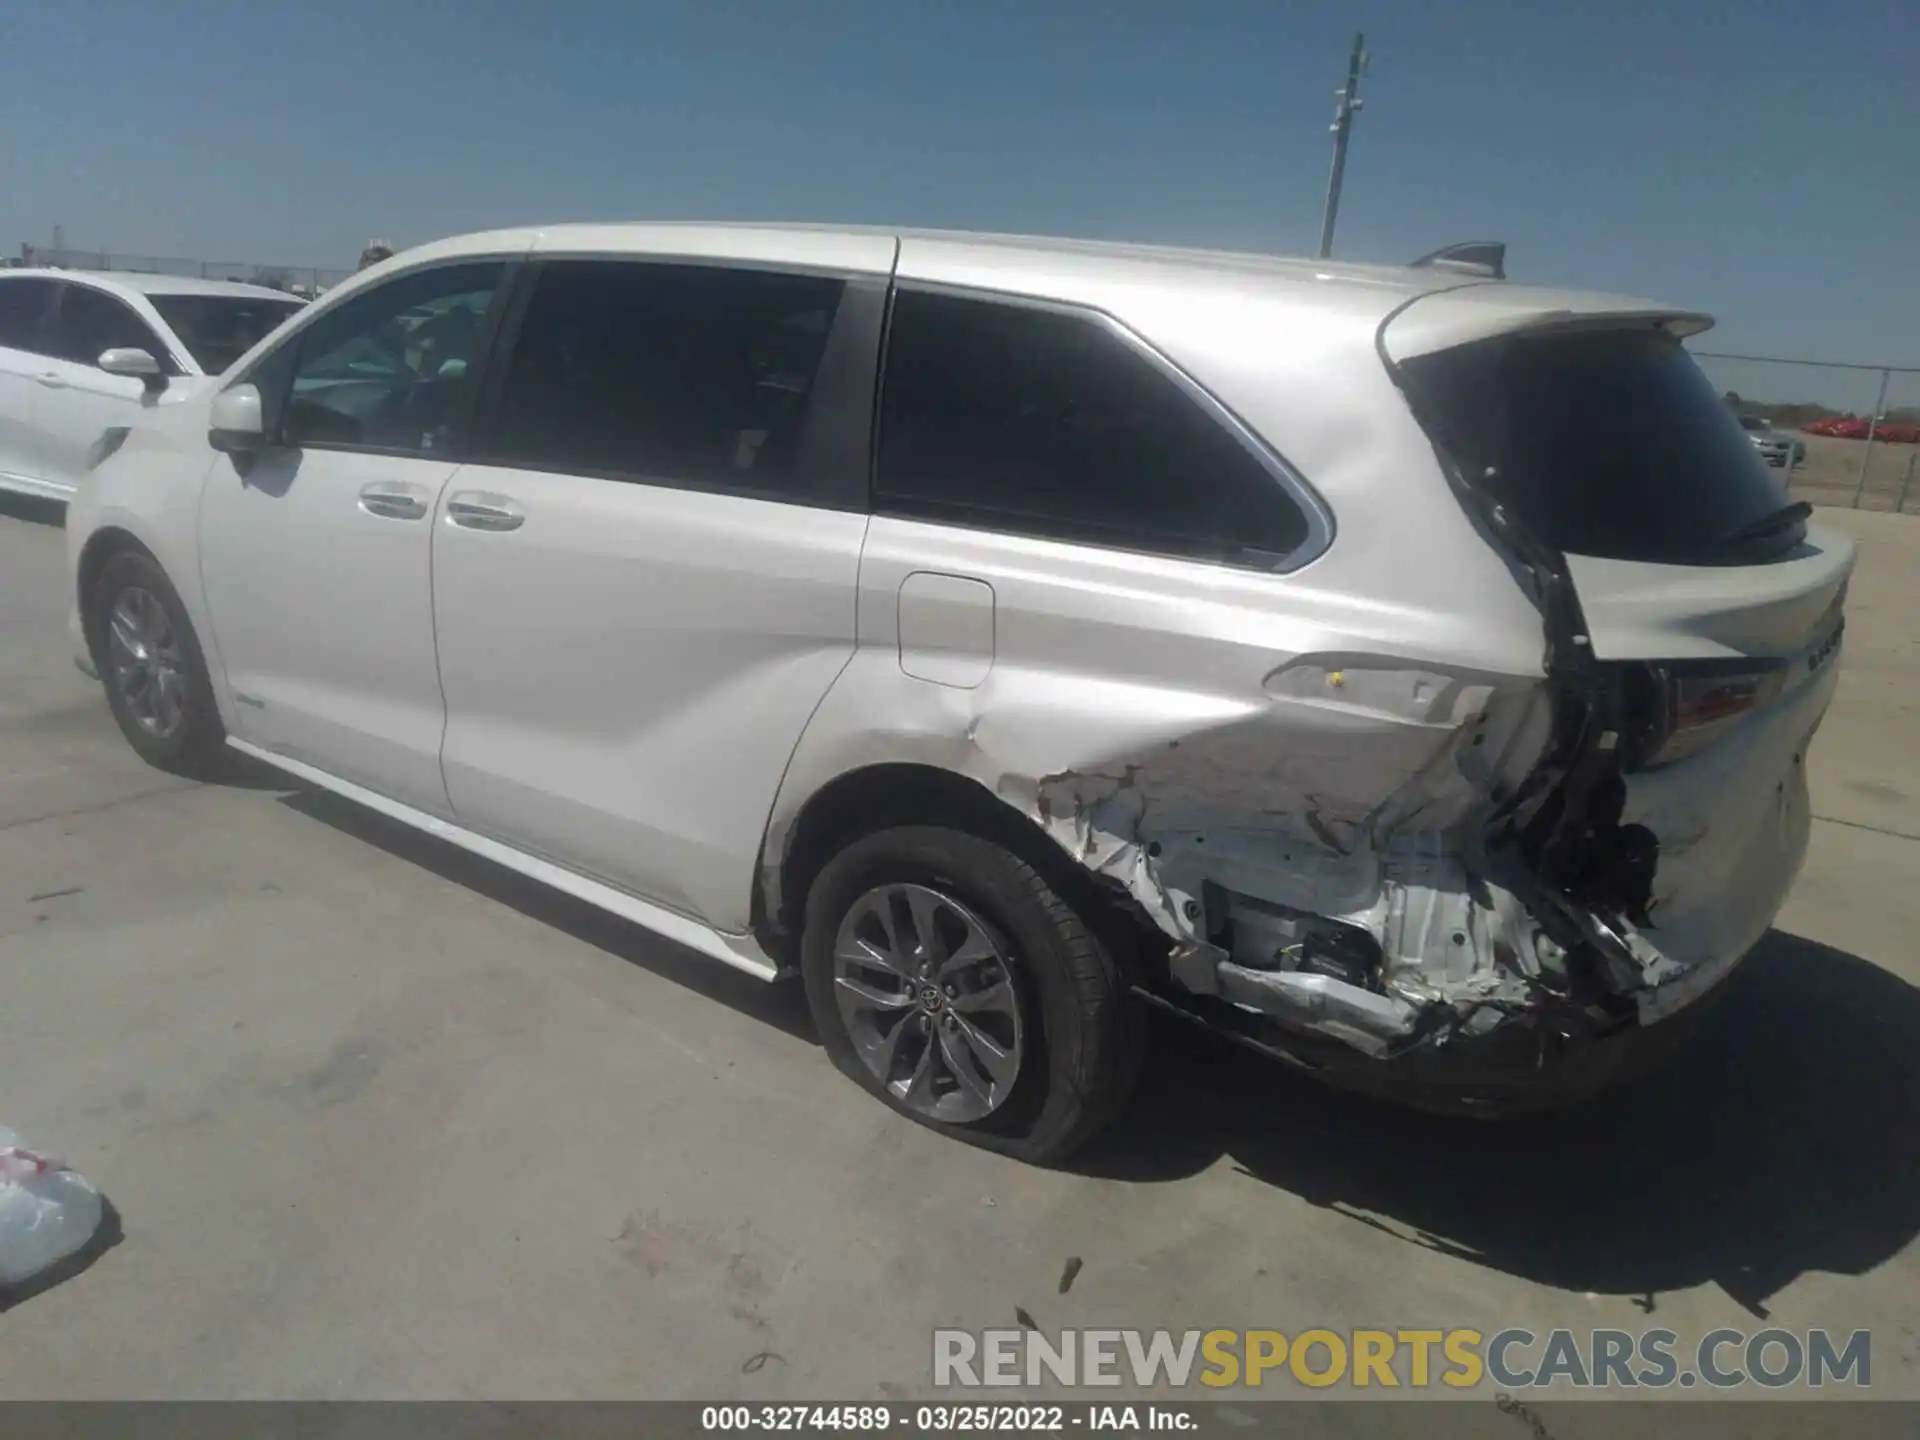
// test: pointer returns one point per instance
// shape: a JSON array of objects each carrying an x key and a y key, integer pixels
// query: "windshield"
[
  {"x": 1608, "y": 443},
  {"x": 218, "y": 329},
  {"x": 1752, "y": 422}
]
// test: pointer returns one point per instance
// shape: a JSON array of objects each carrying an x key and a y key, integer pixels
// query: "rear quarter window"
[
  {"x": 1609, "y": 443},
  {"x": 1035, "y": 421}
]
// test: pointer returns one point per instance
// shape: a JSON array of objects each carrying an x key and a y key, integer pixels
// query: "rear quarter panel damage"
[
  {"x": 1190, "y": 736},
  {"x": 1236, "y": 750},
  {"x": 1298, "y": 800},
  {"x": 1326, "y": 738}
]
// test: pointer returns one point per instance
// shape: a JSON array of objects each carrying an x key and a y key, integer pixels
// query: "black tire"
[
  {"x": 1083, "y": 1036},
  {"x": 196, "y": 747}
]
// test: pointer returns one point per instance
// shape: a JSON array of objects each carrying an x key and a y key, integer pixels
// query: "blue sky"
[{"x": 1759, "y": 160}]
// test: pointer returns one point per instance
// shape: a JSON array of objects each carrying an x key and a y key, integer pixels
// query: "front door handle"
[
  {"x": 393, "y": 502},
  {"x": 474, "y": 511},
  {"x": 52, "y": 381}
]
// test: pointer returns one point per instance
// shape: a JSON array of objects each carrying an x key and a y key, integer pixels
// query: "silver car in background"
[
  {"x": 1403, "y": 671},
  {"x": 1779, "y": 448}
]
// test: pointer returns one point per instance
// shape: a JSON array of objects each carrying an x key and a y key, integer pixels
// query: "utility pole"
[{"x": 1342, "y": 128}]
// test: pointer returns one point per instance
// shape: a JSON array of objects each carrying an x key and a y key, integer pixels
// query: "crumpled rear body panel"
[
  {"x": 1359, "y": 793},
  {"x": 1354, "y": 773},
  {"x": 1313, "y": 788},
  {"x": 1201, "y": 752}
]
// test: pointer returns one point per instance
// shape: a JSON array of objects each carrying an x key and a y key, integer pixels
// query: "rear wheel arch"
[{"x": 894, "y": 794}]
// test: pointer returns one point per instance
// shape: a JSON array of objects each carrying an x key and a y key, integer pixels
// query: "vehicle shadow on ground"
[
  {"x": 1784, "y": 1138},
  {"x": 243, "y": 772},
  {"x": 781, "y": 1006},
  {"x": 34, "y": 510}
]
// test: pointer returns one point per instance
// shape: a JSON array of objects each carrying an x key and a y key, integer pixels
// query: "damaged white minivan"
[{"x": 1402, "y": 670}]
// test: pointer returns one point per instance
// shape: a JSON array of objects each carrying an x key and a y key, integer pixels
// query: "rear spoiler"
[{"x": 1467, "y": 312}]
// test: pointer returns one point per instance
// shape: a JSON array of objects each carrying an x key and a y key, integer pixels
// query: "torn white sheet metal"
[
  {"x": 1359, "y": 795},
  {"x": 1344, "y": 785}
]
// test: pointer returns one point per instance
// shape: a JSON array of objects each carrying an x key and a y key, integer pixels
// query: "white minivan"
[
  {"x": 84, "y": 356},
  {"x": 1403, "y": 671}
]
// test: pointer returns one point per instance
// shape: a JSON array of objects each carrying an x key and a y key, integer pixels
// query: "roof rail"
[{"x": 1471, "y": 257}]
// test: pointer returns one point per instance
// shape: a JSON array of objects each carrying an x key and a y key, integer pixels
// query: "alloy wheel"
[
  {"x": 144, "y": 657},
  {"x": 927, "y": 995}
]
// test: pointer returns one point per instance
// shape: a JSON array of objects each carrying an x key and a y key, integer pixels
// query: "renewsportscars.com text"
[{"x": 1512, "y": 1359}]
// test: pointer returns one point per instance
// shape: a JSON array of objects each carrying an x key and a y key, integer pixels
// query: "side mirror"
[
  {"x": 135, "y": 363},
  {"x": 235, "y": 426}
]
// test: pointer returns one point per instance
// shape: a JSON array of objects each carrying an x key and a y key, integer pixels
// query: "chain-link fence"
[
  {"x": 1846, "y": 434},
  {"x": 305, "y": 280}
]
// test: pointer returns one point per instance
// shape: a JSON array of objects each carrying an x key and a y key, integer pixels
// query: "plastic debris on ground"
[{"x": 48, "y": 1213}]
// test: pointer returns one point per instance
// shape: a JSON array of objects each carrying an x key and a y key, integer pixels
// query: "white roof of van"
[{"x": 1087, "y": 271}]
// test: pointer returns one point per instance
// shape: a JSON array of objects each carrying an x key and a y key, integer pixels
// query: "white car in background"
[{"x": 83, "y": 355}]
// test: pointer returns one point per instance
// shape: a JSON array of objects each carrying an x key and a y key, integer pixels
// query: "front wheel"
[
  {"x": 950, "y": 980},
  {"x": 150, "y": 662}
]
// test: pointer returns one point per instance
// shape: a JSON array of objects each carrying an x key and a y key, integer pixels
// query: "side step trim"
[
  {"x": 38, "y": 489},
  {"x": 742, "y": 952}
]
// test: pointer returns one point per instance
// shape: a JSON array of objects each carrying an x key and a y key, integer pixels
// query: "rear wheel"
[
  {"x": 950, "y": 980},
  {"x": 150, "y": 662}
]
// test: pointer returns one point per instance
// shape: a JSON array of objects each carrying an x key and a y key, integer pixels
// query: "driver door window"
[{"x": 391, "y": 371}]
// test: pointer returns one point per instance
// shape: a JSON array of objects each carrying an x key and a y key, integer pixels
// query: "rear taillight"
[{"x": 1690, "y": 710}]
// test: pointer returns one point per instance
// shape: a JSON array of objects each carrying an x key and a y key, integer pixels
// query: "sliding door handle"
[
  {"x": 472, "y": 511},
  {"x": 393, "y": 502}
]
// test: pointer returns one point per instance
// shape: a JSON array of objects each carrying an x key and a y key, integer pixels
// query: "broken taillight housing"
[{"x": 1686, "y": 710}]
